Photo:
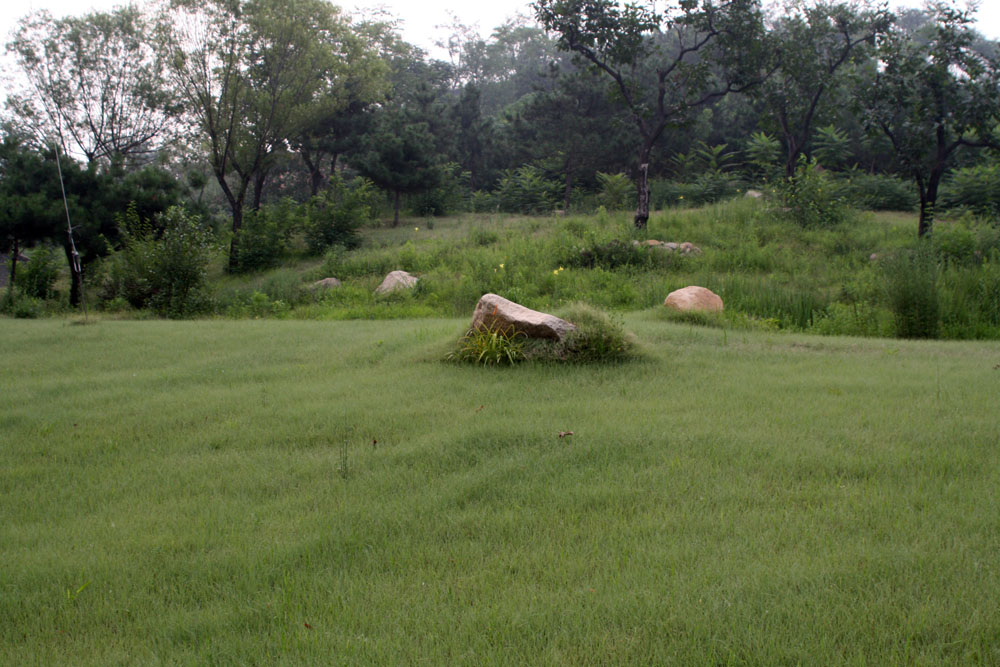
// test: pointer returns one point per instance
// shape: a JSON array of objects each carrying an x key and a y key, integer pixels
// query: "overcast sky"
[{"x": 420, "y": 18}]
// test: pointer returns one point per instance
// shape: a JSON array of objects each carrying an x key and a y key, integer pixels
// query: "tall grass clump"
[
  {"x": 970, "y": 299},
  {"x": 491, "y": 345},
  {"x": 911, "y": 290},
  {"x": 598, "y": 337},
  {"x": 789, "y": 306}
]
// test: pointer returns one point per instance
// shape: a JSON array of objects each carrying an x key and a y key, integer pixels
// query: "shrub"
[
  {"x": 166, "y": 274},
  {"x": 37, "y": 276},
  {"x": 707, "y": 188},
  {"x": 265, "y": 235},
  {"x": 811, "y": 199},
  {"x": 974, "y": 189},
  {"x": 877, "y": 192},
  {"x": 617, "y": 191},
  {"x": 21, "y": 307},
  {"x": 452, "y": 195},
  {"x": 970, "y": 299},
  {"x": 526, "y": 190},
  {"x": 763, "y": 154},
  {"x": 911, "y": 290},
  {"x": 333, "y": 217},
  {"x": 598, "y": 336}
]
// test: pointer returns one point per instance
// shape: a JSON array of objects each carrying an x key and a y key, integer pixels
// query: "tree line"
[{"x": 232, "y": 105}]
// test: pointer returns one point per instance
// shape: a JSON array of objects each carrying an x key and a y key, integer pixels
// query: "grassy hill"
[
  {"x": 300, "y": 492},
  {"x": 861, "y": 277}
]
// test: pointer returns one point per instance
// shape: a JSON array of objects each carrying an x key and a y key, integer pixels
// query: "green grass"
[
  {"x": 770, "y": 272},
  {"x": 209, "y": 493}
]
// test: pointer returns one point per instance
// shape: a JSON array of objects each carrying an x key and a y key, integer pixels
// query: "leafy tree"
[
  {"x": 334, "y": 122},
  {"x": 249, "y": 70},
  {"x": 33, "y": 209},
  {"x": 932, "y": 94},
  {"x": 575, "y": 128},
  {"x": 663, "y": 67},
  {"x": 96, "y": 83},
  {"x": 399, "y": 155},
  {"x": 815, "y": 42}
]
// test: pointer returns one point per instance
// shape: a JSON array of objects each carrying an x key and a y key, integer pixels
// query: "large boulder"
[
  {"x": 326, "y": 283},
  {"x": 693, "y": 298},
  {"x": 494, "y": 311},
  {"x": 396, "y": 280}
]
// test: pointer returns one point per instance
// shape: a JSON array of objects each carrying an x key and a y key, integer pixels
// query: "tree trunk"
[
  {"x": 928, "y": 200},
  {"x": 259, "y": 179},
  {"x": 13, "y": 265},
  {"x": 395, "y": 210},
  {"x": 568, "y": 190},
  {"x": 75, "y": 272},
  {"x": 234, "y": 247},
  {"x": 642, "y": 212},
  {"x": 315, "y": 174}
]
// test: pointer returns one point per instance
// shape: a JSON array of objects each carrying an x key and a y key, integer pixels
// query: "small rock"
[
  {"x": 495, "y": 311},
  {"x": 326, "y": 283},
  {"x": 753, "y": 194},
  {"x": 396, "y": 280},
  {"x": 693, "y": 298}
]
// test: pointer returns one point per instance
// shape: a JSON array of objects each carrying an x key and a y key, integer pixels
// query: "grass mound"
[{"x": 599, "y": 337}]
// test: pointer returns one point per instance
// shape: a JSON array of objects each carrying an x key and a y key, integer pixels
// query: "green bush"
[
  {"x": 974, "y": 189},
  {"x": 165, "y": 274},
  {"x": 811, "y": 198},
  {"x": 707, "y": 188},
  {"x": 970, "y": 299},
  {"x": 265, "y": 235},
  {"x": 617, "y": 191},
  {"x": 763, "y": 153},
  {"x": 598, "y": 336},
  {"x": 526, "y": 190},
  {"x": 912, "y": 294},
  {"x": 452, "y": 195},
  {"x": 334, "y": 217},
  {"x": 877, "y": 192},
  {"x": 20, "y": 306},
  {"x": 38, "y": 275}
]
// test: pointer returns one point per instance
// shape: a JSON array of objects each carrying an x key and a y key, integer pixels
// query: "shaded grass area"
[{"x": 209, "y": 492}]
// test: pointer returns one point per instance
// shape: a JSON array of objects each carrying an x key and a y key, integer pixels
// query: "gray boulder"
[
  {"x": 396, "y": 280},
  {"x": 494, "y": 311},
  {"x": 326, "y": 283}
]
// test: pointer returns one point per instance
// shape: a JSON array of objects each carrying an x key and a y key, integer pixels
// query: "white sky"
[{"x": 420, "y": 18}]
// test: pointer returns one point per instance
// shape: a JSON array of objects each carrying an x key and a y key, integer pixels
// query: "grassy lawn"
[{"x": 212, "y": 493}]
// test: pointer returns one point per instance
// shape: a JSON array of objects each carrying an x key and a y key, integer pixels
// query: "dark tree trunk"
[
  {"x": 259, "y": 179},
  {"x": 234, "y": 247},
  {"x": 928, "y": 200},
  {"x": 315, "y": 174},
  {"x": 395, "y": 209},
  {"x": 568, "y": 189},
  {"x": 13, "y": 264},
  {"x": 75, "y": 272},
  {"x": 642, "y": 211}
]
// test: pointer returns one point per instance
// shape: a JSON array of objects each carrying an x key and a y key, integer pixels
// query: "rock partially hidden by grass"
[{"x": 597, "y": 337}]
